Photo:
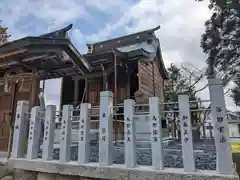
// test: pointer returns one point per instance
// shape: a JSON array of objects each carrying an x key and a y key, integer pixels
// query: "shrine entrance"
[
  {"x": 5, "y": 126},
  {"x": 8, "y": 100},
  {"x": 6, "y": 106},
  {"x": 27, "y": 61}
]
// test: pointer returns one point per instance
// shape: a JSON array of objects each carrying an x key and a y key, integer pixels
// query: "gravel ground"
[{"x": 205, "y": 155}]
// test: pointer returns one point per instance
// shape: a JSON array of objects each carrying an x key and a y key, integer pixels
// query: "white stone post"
[
  {"x": 106, "y": 128},
  {"x": 186, "y": 134},
  {"x": 34, "y": 133},
  {"x": 65, "y": 137},
  {"x": 20, "y": 129},
  {"x": 220, "y": 127},
  {"x": 49, "y": 127},
  {"x": 156, "y": 133},
  {"x": 129, "y": 134},
  {"x": 84, "y": 129}
]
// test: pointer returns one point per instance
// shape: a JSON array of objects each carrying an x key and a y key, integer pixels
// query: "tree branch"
[{"x": 204, "y": 87}]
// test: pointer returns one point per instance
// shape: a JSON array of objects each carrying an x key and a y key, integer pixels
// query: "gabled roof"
[
  {"x": 141, "y": 44},
  {"x": 53, "y": 54},
  {"x": 61, "y": 33},
  {"x": 123, "y": 40}
]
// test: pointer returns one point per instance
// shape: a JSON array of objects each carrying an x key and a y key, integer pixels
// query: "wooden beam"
[
  {"x": 25, "y": 65},
  {"x": 44, "y": 49},
  {"x": 77, "y": 77},
  {"x": 12, "y": 53},
  {"x": 93, "y": 75},
  {"x": 13, "y": 62}
]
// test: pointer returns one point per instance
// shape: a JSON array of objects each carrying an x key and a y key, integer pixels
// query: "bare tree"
[
  {"x": 193, "y": 76},
  {"x": 3, "y": 34}
]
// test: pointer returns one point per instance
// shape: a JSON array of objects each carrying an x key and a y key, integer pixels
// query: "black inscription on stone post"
[
  {"x": 218, "y": 109},
  {"x": 222, "y": 139}
]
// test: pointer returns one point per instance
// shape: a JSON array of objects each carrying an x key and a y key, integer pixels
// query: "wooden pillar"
[
  {"x": 12, "y": 116},
  {"x": 115, "y": 79},
  {"x": 33, "y": 92},
  {"x": 105, "y": 78},
  {"x": 128, "y": 94},
  {"x": 76, "y": 92},
  {"x": 105, "y": 81},
  {"x": 153, "y": 76},
  {"x": 115, "y": 97},
  {"x": 87, "y": 90}
]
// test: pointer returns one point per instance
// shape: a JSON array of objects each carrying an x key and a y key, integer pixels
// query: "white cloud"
[
  {"x": 108, "y": 6},
  {"x": 56, "y": 14},
  {"x": 53, "y": 13},
  {"x": 182, "y": 23}
]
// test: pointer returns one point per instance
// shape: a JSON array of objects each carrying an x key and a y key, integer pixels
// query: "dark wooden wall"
[
  {"x": 151, "y": 82},
  {"x": 8, "y": 101},
  {"x": 93, "y": 91},
  {"x": 95, "y": 86},
  {"x": 149, "y": 78}
]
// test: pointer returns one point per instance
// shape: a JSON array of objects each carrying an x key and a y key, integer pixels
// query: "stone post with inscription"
[
  {"x": 84, "y": 129},
  {"x": 106, "y": 128},
  {"x": 65, "y": 136},
  {"x": 186, "y": 133},
  {"x": 156, "y": 133},
  {"x": 49, "y": 127},
  {"x": 220, "y": 127},
  {"x": 129, "y": 134},
  {"x": 34, "y": 133},
  {"x": 20, "y": 129}
]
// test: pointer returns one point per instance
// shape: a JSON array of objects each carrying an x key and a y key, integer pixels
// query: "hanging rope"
[{"x": 20, "y": 78}]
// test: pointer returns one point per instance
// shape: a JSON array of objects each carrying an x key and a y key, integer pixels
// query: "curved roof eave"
[{"x": 148, "y": 50}]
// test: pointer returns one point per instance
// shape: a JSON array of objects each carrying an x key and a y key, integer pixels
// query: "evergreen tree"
[
  {"x": 175, "y": 85},
  {"x": 236, "y": 91},
  {"x": 221, "y": 42}
]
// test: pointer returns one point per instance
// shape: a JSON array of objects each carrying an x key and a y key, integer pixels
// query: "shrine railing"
[{"x": 224, "y": 163}]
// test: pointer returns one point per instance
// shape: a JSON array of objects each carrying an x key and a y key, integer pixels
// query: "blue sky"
[{"x": 182, "y": 23}]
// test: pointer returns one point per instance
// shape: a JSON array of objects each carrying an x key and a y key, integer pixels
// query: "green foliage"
[
  {"x": 221, "y": 42},
  {"x": 223, "y": 4},
  {"x": 3, "y": 34},
  {"x": 236, "y": 91}
]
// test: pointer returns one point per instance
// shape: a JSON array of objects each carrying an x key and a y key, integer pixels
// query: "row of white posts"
[{"x": 224, "y": 156}]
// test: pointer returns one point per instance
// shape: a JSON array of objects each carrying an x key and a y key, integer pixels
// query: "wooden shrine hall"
[{"x": 128, "y": 66}]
